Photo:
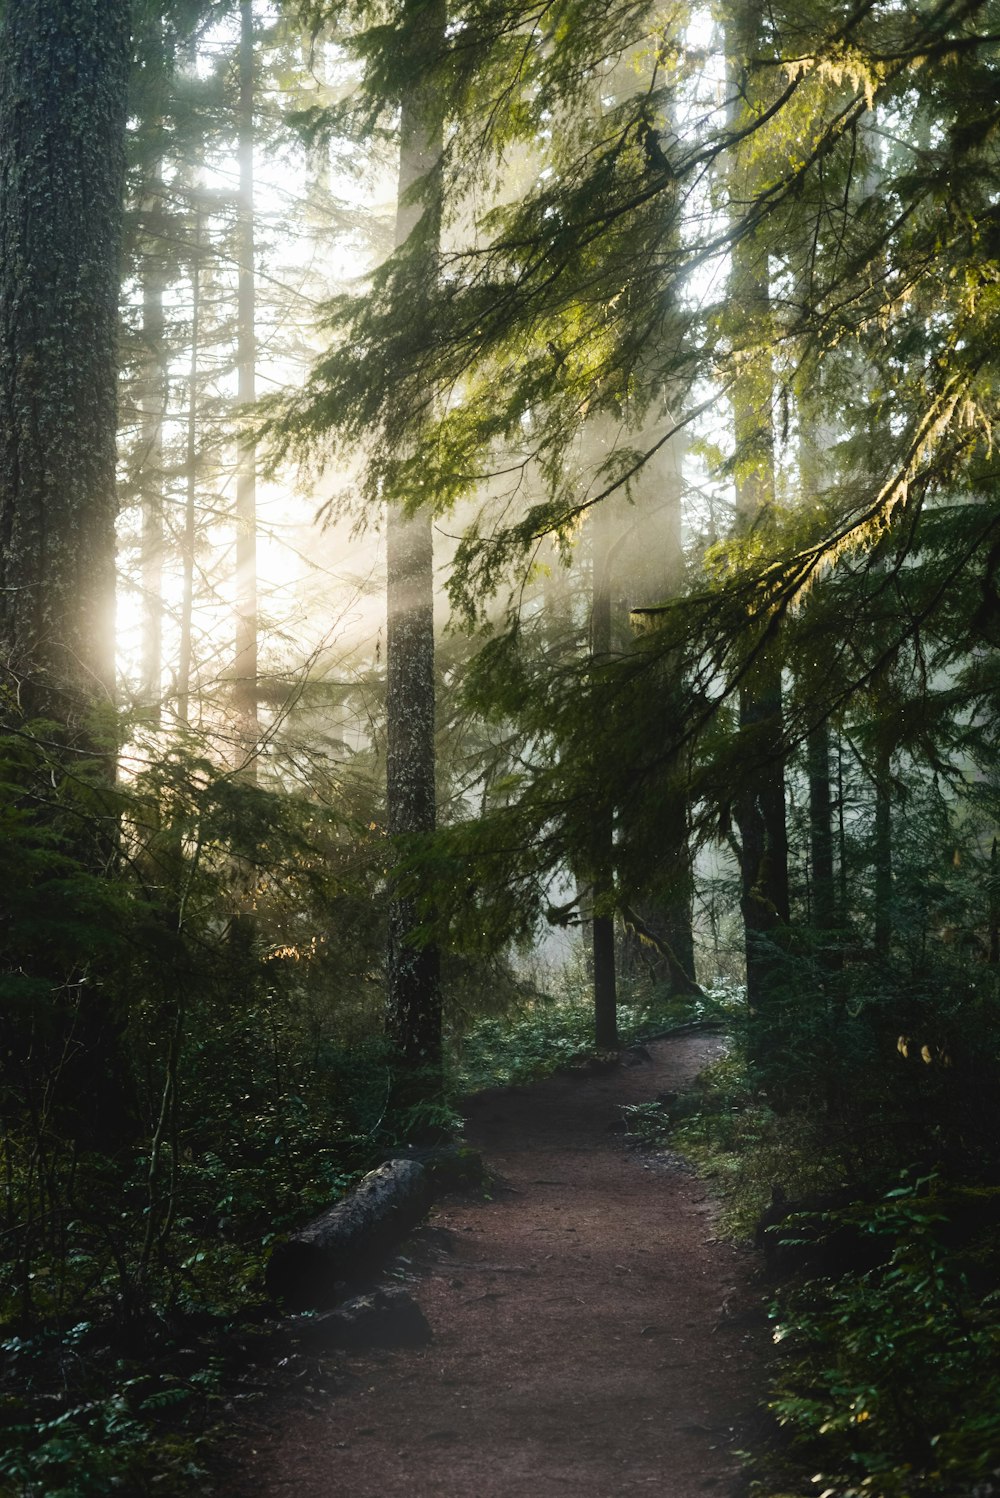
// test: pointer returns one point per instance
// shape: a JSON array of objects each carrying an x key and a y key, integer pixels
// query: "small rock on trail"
[{"x": 586, "y": 1340}]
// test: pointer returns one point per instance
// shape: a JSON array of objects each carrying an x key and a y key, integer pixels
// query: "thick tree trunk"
[
  {"x": 350, "y": 1238},
  {"x": 63, "y": 90},
  {"x": 760, "y": 808},
  {"x": 413, "y": 1012},
  {"x": 651, "y": 569}
]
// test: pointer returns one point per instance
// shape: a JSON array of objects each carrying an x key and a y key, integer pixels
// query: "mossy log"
[{"x": 350, "y": 1239}]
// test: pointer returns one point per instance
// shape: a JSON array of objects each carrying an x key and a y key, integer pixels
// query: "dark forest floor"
[{"x": 592, "y": 1335}]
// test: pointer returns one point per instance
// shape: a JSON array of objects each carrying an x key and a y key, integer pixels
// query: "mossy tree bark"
[
  {"x": 63, "y": 90},
  {"x": 64, "y": 67}
]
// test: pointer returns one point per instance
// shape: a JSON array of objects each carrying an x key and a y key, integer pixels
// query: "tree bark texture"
[
  {"x": 153, "y": 386},
  {"x": 760, "y": 806},
  {"x": 602, "y": 825},
  {"x": 245, "y": 665},
  {"x": 883, "y": 851},
  {"x": 151, "y": 488},
  {"x": 824, "y": 911},
  {"x": 350, "y": 1238},
  {"x": 648, "y": 567},
  {"x": 189, "y": 532},
  {"x": 63, "y": 89},
  {"x": 413, "y": 1015}
]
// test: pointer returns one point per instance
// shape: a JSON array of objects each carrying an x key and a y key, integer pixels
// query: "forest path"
[{"x": 588, "y": 1340}]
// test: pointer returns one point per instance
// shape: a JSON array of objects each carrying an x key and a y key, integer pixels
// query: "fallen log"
[{"x": 350, "y": 1238}]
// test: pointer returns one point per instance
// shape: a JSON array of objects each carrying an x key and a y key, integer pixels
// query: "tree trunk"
[
  {"x": 993, "y": 909},
  {"x": 883, "y": 851},
  {"x": 602, "y": 826},
  {"x": 824, "y": 912},
  {"x": 413, "y": 1013},
  {"x": 760, "y": 808},
  {"x": 188, "y": 534},
  {"x": 651, "y": 568},
  {"x": 63, "y": 92},
  {"x": 245, "y": 664},
  {"x": 63, "y": 95},
  {"x": 154, "y": 397}
]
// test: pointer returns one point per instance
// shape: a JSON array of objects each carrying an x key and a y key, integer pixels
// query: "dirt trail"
[{"x": 588, "y": 1330}]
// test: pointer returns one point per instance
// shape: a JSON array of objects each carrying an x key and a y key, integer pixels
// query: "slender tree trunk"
[
  {"x": 157, "y": 59},
  {"x": 842, "y": 831},
  {"x": 883, "y": 852},
  {"x": 188, "y": 534},
  {"x": 821, "y": 829},
  {"x": 817, "y": 436},
  {"x": 63, "y": 91},
  {"x": 993, "y": 909},
  {"x": 678, "y": 918},
  {"x": 243, "y": 967},
  {"x": 602, "y": 828},
  {"x": 154, "y": 391},
  {"x": 413, "y": 1000},
  {"x": 245, "y": 665}
]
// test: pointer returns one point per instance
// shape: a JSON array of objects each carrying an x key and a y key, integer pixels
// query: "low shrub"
[{"x": 888, "y": 1382}]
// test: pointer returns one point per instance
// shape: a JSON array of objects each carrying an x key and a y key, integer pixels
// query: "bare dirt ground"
[{"x": 592, "y": 1336}]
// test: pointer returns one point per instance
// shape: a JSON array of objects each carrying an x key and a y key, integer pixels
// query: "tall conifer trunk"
[
  {"x": 602, "y": 829},
  {"x": 760, "y": 804},
  {"x": 153, "y": 396},
  {"x": 63, "y": 91},
  {"x": 151, "y": 476},
  {"x": 650, "y": 569},
  {"x": 816, "y": 439},
  {"x": 63, "y": 94},
  {"x": 413, "y": 1013},
  {"x": 245, "y": 665},
  {"x": 883, "y": 850},
  {"x": 188, "y": 531},
  {"x": 824, "y": 893}
]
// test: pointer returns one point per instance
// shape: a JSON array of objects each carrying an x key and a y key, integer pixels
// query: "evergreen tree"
[
  {"x": 63, "y": 97},
  {"x": 414, "y": 1001}
]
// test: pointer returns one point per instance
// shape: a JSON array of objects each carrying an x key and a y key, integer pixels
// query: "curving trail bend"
[{"x": 592, "y": 1337}]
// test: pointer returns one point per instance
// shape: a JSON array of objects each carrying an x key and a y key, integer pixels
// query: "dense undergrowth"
[
  {"x": 873, "y": 1191},
  {"x": 112, "y": 1384},
  {"x": 192, "y": 1063}
]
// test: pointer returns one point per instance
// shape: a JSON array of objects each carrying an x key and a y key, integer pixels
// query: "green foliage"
[
  {"x": 550, "y": 1032},
  {"x": 889, "y": 1382},
  {"x": 501, "y": 1053},
  {"x": 119, "y": 1428}
]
